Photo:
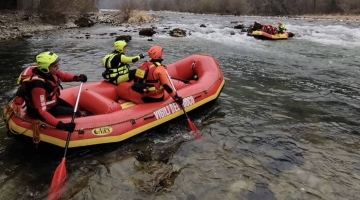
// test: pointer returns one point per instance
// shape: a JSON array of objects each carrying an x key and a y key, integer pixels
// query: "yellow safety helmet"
[
  {"x": 119, "y": 45},
  {"x": 45, "y": 59}
]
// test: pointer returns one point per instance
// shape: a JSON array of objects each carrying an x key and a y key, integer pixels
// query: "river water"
[{"x": 286, "y": 125}]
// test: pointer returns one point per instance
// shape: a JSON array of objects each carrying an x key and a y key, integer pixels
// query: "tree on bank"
[{"x": 51, "y": 11}]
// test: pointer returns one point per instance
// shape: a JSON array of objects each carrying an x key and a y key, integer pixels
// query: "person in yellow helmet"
[
  {"x": 40, "y": 89},
  {"x": 116, "y": 64},
  {"x": 281, "y": 28}
]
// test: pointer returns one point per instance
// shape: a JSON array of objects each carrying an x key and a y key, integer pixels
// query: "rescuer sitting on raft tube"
[
  {"x": 152, "y": 81},
  {"x": 40, "y": 89}
]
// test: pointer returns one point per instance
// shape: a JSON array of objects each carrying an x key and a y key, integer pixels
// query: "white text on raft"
[{"x": 173, "y": 107}]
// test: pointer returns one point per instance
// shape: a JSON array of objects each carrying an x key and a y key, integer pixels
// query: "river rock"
[
  {"x": 177, "y": 33},
  {"x": 27, "y": 35},
  {"x": 147, "y": 32},
  {"x": 240, "y": 26},
  {"x": 126, "y": 38},
  {"x": 84, "y": 22}
]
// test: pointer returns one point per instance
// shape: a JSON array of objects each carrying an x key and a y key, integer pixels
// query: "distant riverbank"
[
  {"x": 17, "y": 24},
  {"x": 336, "y": 17}
]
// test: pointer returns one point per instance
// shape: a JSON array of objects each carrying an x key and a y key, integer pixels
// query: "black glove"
[
  {"x": 81, "y": 77},
  {"x": 178, "y": 99},
  {"x": 141, "y": 56},
  {"x": 70, "y": 127}
]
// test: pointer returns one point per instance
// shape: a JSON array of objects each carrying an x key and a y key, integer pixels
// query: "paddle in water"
[
  {"x": 58, "y": 181},
  {"x": 192, "y": 127}
]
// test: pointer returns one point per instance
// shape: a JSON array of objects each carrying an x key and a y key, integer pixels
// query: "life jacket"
[
  {"x": 273, "y": 30},
  {"x": 52, "y": 87},
  {"x": 150, "y": 85},
  {"x": 115, "y": 74}
]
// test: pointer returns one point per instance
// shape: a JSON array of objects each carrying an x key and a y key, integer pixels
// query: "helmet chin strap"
[{"x": 43, "y": 71}]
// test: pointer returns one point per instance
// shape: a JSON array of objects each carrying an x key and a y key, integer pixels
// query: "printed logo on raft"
[
  {"x": 100, "y": 131},
  {"x": 173, "y": 107}
]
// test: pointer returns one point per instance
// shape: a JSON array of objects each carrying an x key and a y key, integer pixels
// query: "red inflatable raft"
[{"x": 197, "y": 78}]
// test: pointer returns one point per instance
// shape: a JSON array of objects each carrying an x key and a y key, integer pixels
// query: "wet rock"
[
  {"x": 26, "y": 18},
  {"x": 241, "y": 185},
  {"x": 126, "y": 38},
  {"x": 262, "y": 192},
  {"x": 232, "y": 33},
  {"x": 191, "y": 197},
  {"x": 256, "y": 26},
  {"x": 153, "y": 176},
  {"x": 150, "y": 39},
  {"x": 202, "y": 25},
  {"x": 291, "y": 34},
  {"x": 27, "y": 35},
  {"x": 84, "y": 22},
  {"x": 285, "y": 162},
  {"x": 240, "y": 26},
  {"x": 147, "y": 32},
  {"x": 177, "y": 33}
]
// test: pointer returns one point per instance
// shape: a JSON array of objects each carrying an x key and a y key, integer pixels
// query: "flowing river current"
[{"x": 286, "y": 125}]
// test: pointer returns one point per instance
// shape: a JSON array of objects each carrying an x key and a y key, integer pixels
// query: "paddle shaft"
[
  {"x": 180, "y": 79},
  {"x": 73, "y": 118},
  {"x": 182, "y": 107}
]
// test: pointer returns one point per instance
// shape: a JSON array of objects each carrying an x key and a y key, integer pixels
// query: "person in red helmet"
[
  {"x": 152, "y": 81},
  {"x": 40, "y": 89}
]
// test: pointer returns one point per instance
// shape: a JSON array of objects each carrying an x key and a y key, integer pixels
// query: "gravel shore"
[{"x": 17, "y": 24}]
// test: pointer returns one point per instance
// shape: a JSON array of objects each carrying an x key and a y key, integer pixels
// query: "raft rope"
[
  {"x": 36, "y": 124},
  {"x": 35, "y": 127}
]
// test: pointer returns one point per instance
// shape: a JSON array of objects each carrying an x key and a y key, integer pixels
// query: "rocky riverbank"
[{"x": 17, "y": 24}]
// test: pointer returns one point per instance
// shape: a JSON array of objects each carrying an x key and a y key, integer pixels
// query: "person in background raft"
[
  {"x": 116, "y": 64},
  {"x": 40, "y": 89},
  {"x": 152, "y": 81},
  {"x": 281, "y": 28}
]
